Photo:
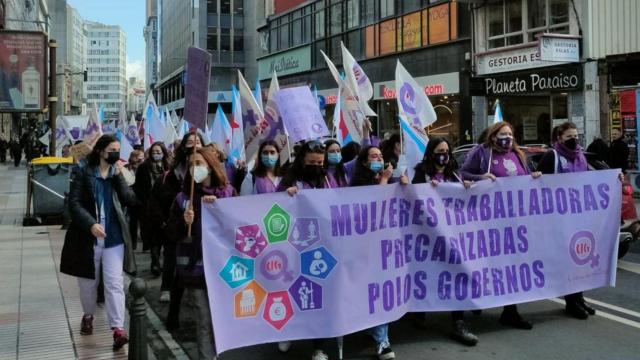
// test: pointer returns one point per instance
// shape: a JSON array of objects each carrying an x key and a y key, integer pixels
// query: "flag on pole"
[
  {"x": 257, "y": 94},
  {"x": 339, "y": 124},
  {"x": 497, "y": 117},
  {"x": 237, "y": 129},
  {"x": 352, "y": 114},
  {"x": 131, "y": 133},
  {"x": 152, "y": 130},
  {"x": 122, "y": 117},
  {"x": 125, "y": 146},
  {"x": 357, "y": 80},
  {"x": 175, "y": 120},
  {"x": 252, "y": 117},
  {"x": 413, "y": 103},
  {"x": 183, "y": 128},
  {"x": 221, "y": 131},
  {"x": 93, "y": 130},
  {"x": 101, "y": 117},
  {"x": 414, "y": 143},
  {"x": 274, "y": 127},
  {"x": 332, "y": 68}
]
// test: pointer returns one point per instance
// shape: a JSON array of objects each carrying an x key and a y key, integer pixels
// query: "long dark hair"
[
  {"x": 340, "y": 172},
  {"x": 103, "y": 142},
  {"x": 362, "y": 175},
  {"x": 350, "y": 151},
  {"x": 295, "y": 171},
  {"x": 259, "y": 169},
  {"x": 388, "y": 149},
  {"x": 181, "y": 152},
  {"x": 165, "y": 154},
  {"x": 428, "y": 163}
]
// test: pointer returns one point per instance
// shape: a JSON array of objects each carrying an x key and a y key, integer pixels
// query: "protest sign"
[
  {"x": 196, "y": 100},
  {"x": 301, "y": 115},
  {"x": 330, "y": 262}
]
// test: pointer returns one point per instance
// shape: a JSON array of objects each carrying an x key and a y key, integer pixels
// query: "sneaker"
[
  {"x": 284, "y": 346},
  {"x": 120, "y": 338},
  {"x": 319, "y": 355},
  {"x": 513, "y": 319},
  {"x": 385, "y": 352},
  {"x": 462, "y": 334},
  {"x": 86, "y": 327},
  {"x": 165, "y": 297}
]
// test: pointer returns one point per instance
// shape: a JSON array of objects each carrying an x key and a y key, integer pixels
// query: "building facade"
[
  {"x": 430, "y": 37},
  {"x": 151, "y": 41},
  {"x": 68, "y": 28},
  {"x": 136, "y": 98},
  {"x": 106, "y": 64},
  {"x": 224, "y": 27}
]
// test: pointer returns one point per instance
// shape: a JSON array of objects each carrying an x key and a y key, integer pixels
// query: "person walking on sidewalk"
[
  {"x": 99, "y": 234},
  {"x": 4, "y": 146},
  {"x": 16, "y": 151}
]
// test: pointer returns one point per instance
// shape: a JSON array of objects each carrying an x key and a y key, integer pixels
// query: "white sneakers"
[
  {"x": 165, "y": 297},
  {"x": 319, "y": 355}
]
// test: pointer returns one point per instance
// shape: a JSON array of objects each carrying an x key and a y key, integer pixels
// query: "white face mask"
[{"x": 199, "y": 173}]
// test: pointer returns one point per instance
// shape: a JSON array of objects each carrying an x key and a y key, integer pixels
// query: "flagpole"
[{"x": 401, "y": 136}]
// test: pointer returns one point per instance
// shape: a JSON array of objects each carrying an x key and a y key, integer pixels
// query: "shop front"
[{"x": 535, "y": 100}]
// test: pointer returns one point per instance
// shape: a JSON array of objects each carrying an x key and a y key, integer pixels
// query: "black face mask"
[
  {"x": 113, "y": 157},
  {"x": 571, "y": 144},
  {"x": 313, "y": 172},
  {"x": 441, "y": 159}
]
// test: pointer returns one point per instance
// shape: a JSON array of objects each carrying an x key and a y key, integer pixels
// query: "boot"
[
  {"x": 462, "y": 334},
  {"x": 583, "y": 304},
  {"x": 573, "y": 308},
  {"x": 511, "y": 317}
]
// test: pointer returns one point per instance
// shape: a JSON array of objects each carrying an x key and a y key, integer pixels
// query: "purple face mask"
[{"x": 504, "y": 142}]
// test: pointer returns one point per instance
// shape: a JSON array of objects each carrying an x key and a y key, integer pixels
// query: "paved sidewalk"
[{"x": 40, "y": 310}]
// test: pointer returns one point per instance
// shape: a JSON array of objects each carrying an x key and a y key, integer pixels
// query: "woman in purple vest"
[
  {"x": 265, "y": 176},
  {"x": 499, "y": 156},
  {"x": 333, "y": 164}
]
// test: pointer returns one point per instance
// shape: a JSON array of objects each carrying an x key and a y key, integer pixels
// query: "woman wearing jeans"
[{"x": 99, "y": 234}]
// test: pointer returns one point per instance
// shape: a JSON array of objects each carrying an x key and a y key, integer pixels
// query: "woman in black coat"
[{"x": 99, "y": 234}]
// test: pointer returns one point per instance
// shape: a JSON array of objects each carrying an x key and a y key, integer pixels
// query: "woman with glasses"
[
  {"x": 371, "y": 170},
  {"x": 307, "y": 170},
  {"x": 499, "y": 156}
]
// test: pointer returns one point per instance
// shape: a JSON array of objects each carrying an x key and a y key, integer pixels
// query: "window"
[
  {"x": 225, "y": 40},
  {"x": 336, "y": 19},
  {"x": 212, "y": 6},
  {"x": 353, "y": 13},
  {"x": 354, "y": 43},
  {"x": 225, "y": 6},
  {"x": 368, "y": 12},
  {"x": 410, "y": 5},
  {"x": 238, "y": 41},
  {"x": 387, "y": 8},
  {"x": 284, "y": 37},
  {"x": 238, "y": 7},
  {"x": 296, "y": 32},
  {"x": 212, "y": 42},
  {"x": 511, "y": 23},
  {"x": 319, "y": 24}
]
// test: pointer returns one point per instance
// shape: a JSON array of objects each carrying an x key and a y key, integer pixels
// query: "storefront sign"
[
  {"x": 563, "y": 48},
  {"x": 285, "y": 63},
  {"x": 511, "y": 60},
  {"x": 563, "y": 78},
  {"x": 433, "y": 85},
  {"x": 22, "y": 73}
]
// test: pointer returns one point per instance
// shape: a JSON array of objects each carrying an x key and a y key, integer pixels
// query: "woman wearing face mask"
[
  {"x": 152, "y": 169},
  {"x": 307, "y": 170},
  {"x": 265, "y": 176},
  {"x": 370, "y": 171},
  {"x": 211, "y": 184},
  {"x": 334, "y": 165},
  {"x": 499, "y": 156},
  {"x": 438, "y": 165},
  {"x": 99, "y": 234},
  {"x": 163, "y": 194},
  {"x": 567, "y": 156}
]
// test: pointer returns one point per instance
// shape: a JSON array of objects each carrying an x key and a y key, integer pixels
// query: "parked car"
[{"x": 629, "y": 223}]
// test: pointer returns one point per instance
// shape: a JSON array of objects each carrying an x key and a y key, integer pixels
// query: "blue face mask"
[
  {"x": 375, "y": 166},
  {"x": 269, "y": 160},
  {"x": 334, "y": 158}
]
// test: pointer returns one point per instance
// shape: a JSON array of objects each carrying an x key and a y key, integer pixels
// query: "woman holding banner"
[
  {"x": 370, "y": 170},
  {"x": 210, "y": 184},
  {"x": 99, "y": 234},
  {"x": 438, "y": 165},
  {"x": 265, "y": 176},
  {"x": 499, "y": 156},
  {"x": 567, "y": 156},
  {"x": 333, "y": 164}
]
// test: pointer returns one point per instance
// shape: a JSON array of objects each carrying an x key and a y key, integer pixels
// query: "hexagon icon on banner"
[
  {"x": 277, "y": 222},
  {"x": 250, "y": 240},
  {"x": 317, "y": 263},
  {"x": 237, "y": 271},
  {"x": 307, "y": 294},
  {"x": 304, "y": 233},
  {"x": 278, "y": 309},
  {"x": 249, "y": 300}
]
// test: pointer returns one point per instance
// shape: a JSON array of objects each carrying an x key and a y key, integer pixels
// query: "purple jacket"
[{"x": 476, "y": 163}]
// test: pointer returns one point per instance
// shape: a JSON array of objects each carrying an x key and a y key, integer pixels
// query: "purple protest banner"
[
  {"x": 335, "y": 261},
  {"x": 196, "y": 102},
  {"x": 300, "y": 113}
]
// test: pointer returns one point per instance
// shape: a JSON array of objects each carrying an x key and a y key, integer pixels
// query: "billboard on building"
[{"x": 23, "y": 78}]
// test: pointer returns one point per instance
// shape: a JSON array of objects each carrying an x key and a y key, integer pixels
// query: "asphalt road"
[{"x": 614, "y": 333}]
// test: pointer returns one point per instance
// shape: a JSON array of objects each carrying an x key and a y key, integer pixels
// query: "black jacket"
[
  {"x": 77, "y": 252},
  {"x": 619, "y": 155}
]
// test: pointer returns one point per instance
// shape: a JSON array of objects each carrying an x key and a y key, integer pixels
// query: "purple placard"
[
  {"x": 196, "y": 102},
  {"x": 301, "y": 115}
]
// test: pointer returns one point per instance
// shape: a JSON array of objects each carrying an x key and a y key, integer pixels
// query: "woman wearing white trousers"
[{"x": 99, "y": 234}]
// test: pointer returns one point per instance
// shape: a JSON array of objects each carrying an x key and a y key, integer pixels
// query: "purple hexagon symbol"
[
  {"x": 305, "y": 232},
  {"x": 250, "y": 240},
  {"x": 306, "y": 294}
]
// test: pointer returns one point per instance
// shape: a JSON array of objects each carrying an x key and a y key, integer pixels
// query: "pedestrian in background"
[
  {"x": 4, "y": 146},
  {"x": 99, "y": 234},
  {"x": 16, "y": 151},
  {"x": 618, "y": 151}
]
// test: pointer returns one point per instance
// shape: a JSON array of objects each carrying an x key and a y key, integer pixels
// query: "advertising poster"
[{"x": 22, "y": 71}]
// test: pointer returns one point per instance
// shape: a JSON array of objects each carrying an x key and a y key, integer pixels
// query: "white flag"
[
  {"x": 94, "y": 129},
  {"x": 357, "y": 81},
  {"x": 413, "y": 103},
  {"x": 221, "y": 131}
]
